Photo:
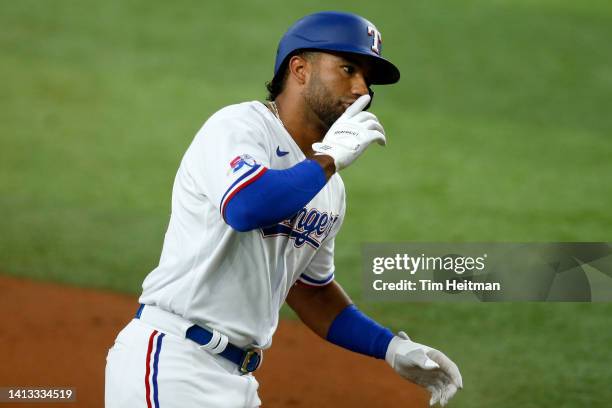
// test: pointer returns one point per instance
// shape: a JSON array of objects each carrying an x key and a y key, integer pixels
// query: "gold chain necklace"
[{"x": 275, "y": 112}]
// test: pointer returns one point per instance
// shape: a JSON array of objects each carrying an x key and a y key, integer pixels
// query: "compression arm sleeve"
[
  {"x": 355, "y": 331},
  {"x": 271, "y": 196}
]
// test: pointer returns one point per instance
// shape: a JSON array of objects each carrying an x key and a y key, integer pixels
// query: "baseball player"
[{"x": 256, "y": 205}]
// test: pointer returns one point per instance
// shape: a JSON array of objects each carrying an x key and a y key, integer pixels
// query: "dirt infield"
[{"x": 58, "y": 336}]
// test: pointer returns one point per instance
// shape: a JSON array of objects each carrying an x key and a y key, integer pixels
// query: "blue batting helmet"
[{"x": 337, "y": 31}]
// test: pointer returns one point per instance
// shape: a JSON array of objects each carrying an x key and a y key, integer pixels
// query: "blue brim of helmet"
[{"x": 383, "y": 72}]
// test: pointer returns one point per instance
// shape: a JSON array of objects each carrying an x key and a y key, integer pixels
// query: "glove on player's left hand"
[
  {"x": 424, "y": 366},
  {"x": 351, "y": 134}
]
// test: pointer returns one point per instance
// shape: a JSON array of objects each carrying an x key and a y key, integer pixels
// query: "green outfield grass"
[{"x": 498, "y": 131}]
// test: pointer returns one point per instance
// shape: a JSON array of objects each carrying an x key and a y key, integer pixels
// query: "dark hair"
[{"x": 277, "y": 84}]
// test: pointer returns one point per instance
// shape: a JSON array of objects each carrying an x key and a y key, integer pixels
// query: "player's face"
[{"x": 335, "y": 82}]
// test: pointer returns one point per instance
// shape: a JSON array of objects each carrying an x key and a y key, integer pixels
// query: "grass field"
[{"x": 498, "y": 131}]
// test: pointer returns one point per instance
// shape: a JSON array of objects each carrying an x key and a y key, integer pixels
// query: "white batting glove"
[
  {"x": 351, "y": 134},
  {"x": 424, "y": 366}
]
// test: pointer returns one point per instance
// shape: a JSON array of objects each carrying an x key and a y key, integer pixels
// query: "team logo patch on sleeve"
[
  {"x": 253, "y": 172},
  {"x": 242, "y": 161}
]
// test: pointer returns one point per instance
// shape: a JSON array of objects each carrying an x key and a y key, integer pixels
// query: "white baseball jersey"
[{"x": 236, "y": 282}]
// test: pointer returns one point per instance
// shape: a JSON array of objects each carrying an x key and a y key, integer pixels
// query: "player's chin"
[{"x": 330, "y": 116}]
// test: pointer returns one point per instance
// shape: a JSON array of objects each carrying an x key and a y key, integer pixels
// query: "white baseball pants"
[{"x": 155, "y": 366}]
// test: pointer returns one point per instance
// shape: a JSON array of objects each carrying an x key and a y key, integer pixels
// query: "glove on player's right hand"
[
  {"x": 424, "y": 366},
  {"x": 351, "y": 134}
]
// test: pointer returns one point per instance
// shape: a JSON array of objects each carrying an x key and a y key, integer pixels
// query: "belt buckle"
[{"x": 246, "y": 359}]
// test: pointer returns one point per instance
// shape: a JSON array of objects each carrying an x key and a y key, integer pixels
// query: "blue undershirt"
[{"x": 276, "y": 196}]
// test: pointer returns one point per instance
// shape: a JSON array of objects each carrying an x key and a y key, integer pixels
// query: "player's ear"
[{"x": 299, "y": 68}]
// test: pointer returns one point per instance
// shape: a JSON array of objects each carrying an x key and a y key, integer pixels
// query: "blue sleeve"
[
  {"x": 273, "y": 196},
  {"x": 355, "y": 331}
]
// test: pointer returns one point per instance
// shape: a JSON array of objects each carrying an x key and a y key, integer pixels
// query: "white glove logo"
[{"x": 351, "y": 134}]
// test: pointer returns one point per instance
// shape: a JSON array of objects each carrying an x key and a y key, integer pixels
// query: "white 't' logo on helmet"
[{"x": 376, "y": 39}]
